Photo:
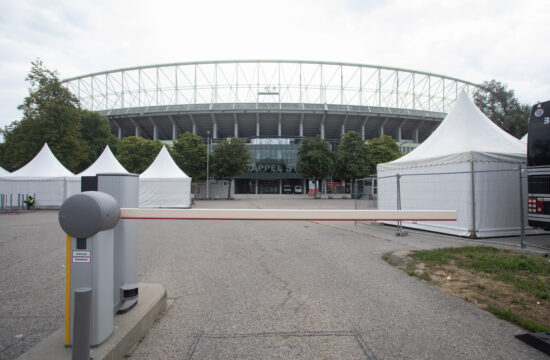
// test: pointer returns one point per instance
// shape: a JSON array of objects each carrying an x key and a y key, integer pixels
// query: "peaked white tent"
[
  {"x": 44, "y": 176},
  {"x": 524, "y": 139},
  {"x": 3, "y": 171},
  {"x": 164, "y": 184},
  {"x": 468, "y": 164},
  {"x": 105, "y": 163}
]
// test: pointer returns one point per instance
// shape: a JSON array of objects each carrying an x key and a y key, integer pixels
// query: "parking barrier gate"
[{"x": 89, "y": 219}]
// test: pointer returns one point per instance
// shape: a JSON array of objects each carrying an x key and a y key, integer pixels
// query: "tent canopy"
[
  {"x": 43, "y": 165},
  {"x": 105, "y": 163},
  {"x": 465, "y": 134},
  {"x": 468, "y": 164},
  {"x": 525, "y": 138},
  {"x": 164, "y": 184},
  {"x": 3, "y": 171},
  {"x": 164, "y": 167}
]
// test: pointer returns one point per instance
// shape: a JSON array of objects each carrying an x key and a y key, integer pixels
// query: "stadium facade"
[{"x": 271, "y": 103}]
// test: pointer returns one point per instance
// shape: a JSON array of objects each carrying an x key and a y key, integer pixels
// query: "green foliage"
[
  {"x": 189, "y": 153},
  {"x": 2, "y": 151},
  {"x": 50, "y": 114},
  {"x": 228, "y": 159},
  {"x": 96, "y": 132},
  {"x": 501, "y": 106},
  {"x": 315, "y": 159},
  {"x": 381, "y": 150},
  {"x": 137, "y": 153},
  {"x": 352, "y": 160}
]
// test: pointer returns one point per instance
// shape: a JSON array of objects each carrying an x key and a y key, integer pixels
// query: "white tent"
[
  {"x": 524, "y": 139},
  {"x": 105, "y": 163},
  {"x": 44, "y": 176},
  {"x": 468, "y": 164},
  {"x": 163, "y": 184},
  {"x": 3, "y": 171}
]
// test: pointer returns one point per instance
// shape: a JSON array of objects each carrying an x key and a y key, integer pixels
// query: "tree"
[
  {"x": 50, "y": 114},
  {"x": 501, "y": 106},
  {"x": 137, "y": 153},
  {"x": 352, "y": 160},
  {"x": 96, "y": 132},
  {"x": 229, "y": 159},
  {"x": 315, "y": 159},
  {"x": 189, "y": 153},
  {"x": 381, "y": 150}
]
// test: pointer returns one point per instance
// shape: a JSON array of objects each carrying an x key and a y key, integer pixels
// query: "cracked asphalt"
[{"x": 262, "y": 290}]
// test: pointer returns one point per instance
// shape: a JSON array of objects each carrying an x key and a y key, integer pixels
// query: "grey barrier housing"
[
  {"x": 84, "y": 215},
  {"x": 103, "y": 251},
  {"x": 124, "y": 188}
]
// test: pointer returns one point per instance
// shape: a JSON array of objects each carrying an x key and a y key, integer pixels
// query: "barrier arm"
[{"x": 289, "y": 215}]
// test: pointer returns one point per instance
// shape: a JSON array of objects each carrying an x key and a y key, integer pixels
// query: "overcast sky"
[{"x": 474, "y": 40}]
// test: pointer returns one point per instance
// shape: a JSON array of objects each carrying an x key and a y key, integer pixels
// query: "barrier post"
[
  {"x": 400, "y": 231},
  {"x": 82, "y": 317}
]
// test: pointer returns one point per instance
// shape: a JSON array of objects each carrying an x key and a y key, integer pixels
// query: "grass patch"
[
  {"x": 525, "y": 272},
  {"x": 518, "y": 320},
  {"x": 513, "y": 286}
]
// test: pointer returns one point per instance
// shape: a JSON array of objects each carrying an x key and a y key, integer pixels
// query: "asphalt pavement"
[{"x": 263, "y": 290}]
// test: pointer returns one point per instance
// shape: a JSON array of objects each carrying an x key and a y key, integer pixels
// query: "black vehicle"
[{"x": 538, "y": 166}]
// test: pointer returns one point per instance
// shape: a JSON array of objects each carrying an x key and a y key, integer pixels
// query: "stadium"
[{"x": 272, "y": 104}]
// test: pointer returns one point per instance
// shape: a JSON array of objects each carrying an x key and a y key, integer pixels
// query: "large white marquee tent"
[
  {"x": 164, "y": 184},
  {"x": 3, "y": 171},
  {"x": 105, "y": 163},
  {"x": 44, "y": 176},
  {"x": 468, "y": 164}
]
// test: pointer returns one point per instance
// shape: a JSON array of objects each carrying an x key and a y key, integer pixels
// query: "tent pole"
[
  {"x": 473, "y": 194},
  {"x": 522, "y": 217}
]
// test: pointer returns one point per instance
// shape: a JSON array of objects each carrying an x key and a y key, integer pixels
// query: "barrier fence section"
[
  {"x": 15, "y": 203},
  {"x": 491, "y": 200}
]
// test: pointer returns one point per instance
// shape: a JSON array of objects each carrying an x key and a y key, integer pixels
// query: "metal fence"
[
  {"x": 15, "y": 203},
  {"x": 477, "y": 194}
]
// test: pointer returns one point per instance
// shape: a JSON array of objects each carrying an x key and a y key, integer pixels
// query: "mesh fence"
[{"x": 491, "y": 200}]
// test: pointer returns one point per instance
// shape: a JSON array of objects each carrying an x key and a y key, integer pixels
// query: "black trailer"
[{"x": 538, "y": 166}]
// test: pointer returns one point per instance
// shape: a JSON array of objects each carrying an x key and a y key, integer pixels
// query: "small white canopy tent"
[
  {"x": 468, "y": 164},
  {"x": 3, "y": 171},
  {"x": 164, "y": 184},
  {"x": 105, "y": 163},
  {"x": 44, "y": 176}
]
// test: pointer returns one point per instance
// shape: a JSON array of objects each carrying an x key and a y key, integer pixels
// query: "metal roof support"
[
  {"x": 363, "y": 127},
  {"x": 119, "y": 129},
  {"x": 214, "y": 126},
  {"x": 323, "y": 126},
  {"x": 155, "y": 128},
  {"x": 382, "y": 127},
  {"x": 194, "y": 123},
  {"x": 175, "y": 128},
  {"x": 415, "y": 132},
  {"x": 344, "y": 125},
  {"x": 136, "y": 125},
  {"x": 398, "y": 136},
  {"x": 235, "y": 126}
]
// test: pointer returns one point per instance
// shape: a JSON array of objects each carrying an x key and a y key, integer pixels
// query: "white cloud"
[{"x": 475, "y": 40}]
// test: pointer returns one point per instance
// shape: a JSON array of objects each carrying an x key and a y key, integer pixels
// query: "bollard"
[{"x": 82, "y": 317}]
